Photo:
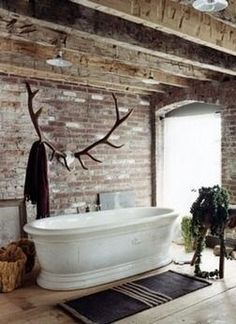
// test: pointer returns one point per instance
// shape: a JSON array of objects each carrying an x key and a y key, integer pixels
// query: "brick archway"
[{"x": 224, "y": 95}]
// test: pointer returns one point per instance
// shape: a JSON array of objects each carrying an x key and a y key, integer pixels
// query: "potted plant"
[
  {"x": 186, "y": 232},
  {"x": 209, "y": 212}
]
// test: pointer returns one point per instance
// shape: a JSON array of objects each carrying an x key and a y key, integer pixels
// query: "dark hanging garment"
[{"x": 36, "y": 181}]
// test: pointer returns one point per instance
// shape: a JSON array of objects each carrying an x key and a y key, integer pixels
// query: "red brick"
[{"x": 96, "y": 117}]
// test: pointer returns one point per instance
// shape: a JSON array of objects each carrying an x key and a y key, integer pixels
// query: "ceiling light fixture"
[
  {"x": 150, "y": 79},
  {"x": 59, "y": 61},
  {"x": 210, "y": 5}
]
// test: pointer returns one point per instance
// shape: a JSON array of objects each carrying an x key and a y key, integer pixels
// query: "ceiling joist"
[
  {"x": 74, "y": 43},
  {"x": 112, "y": 42},
  {"x": 27, "y": 73},
  {"x": 171, "y": 17},
  {"x": 92, "y": 26},
  {"x": 86, "y": 64}
]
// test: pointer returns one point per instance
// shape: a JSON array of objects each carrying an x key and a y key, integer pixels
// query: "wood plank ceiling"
[{"x": 118, "y": 44}]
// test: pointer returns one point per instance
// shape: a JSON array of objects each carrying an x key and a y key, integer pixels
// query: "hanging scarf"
[{"x": 36, "y": 181}]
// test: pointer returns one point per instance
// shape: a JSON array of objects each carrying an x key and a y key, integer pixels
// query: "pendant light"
[
  {"x": 150, "y": 79},
  {"x": 210, "y": 5},
  {"x": 58, "y": 61}
]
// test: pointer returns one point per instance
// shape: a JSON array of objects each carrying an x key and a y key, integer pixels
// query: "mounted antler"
[
  {"x": 58, "y": 154},
  {"x": 34, "y": 118},
  {"x": 105, "y": 139}
]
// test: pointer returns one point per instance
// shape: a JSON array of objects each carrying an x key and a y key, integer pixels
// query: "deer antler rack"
[
  {"x": 34, "y": 118},
  {"x": 104, "y": 139}
]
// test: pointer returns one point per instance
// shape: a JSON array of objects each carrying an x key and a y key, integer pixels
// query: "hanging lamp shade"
[
  {"x": 150, "y": 79},
  {"x": 210, "y": 5},
  {"x": 59, "y": 61}
]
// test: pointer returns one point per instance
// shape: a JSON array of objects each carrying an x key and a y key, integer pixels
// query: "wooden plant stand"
[
  {"x": 232, "y": 224},
  {"x": 222, "y": 254}
]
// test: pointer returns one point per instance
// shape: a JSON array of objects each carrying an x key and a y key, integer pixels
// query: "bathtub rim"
[{"x": 32, "y": 230}]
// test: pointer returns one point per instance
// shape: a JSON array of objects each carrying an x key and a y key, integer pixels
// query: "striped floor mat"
[
  {"x": 130, "y": 298},
  {"x": 148, "y": 296}
]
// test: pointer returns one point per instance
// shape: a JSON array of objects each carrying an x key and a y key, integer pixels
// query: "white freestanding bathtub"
[{"x": 84, "y": 250}]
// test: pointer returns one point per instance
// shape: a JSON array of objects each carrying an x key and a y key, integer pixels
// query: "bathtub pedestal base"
[{"x": 74, "y": 281}]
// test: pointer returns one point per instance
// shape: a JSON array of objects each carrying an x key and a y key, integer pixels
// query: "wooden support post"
[
  {"x": 203, "y": 234},
  {"x": 153, "y": 152},
  {"x": 222, "y": 256}
]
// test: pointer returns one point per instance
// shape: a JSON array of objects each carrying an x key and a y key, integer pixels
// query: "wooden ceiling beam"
[
  {"x": 29, "y": 60},
  {"x": 101, "y": 31},
  {"x": 122, "y": 56},
  {"x": 11, "y": 69},
  {"x": 171, "y": 17},
  {"x": 80, "y": 45},
  {"x": 88, "y": 62}
]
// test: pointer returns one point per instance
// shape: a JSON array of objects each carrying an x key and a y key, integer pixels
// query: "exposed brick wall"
[
  {"x": 74, "y": 117},
  {"x": 220, "y": 94}
]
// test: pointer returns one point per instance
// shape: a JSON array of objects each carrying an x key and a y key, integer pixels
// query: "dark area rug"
[{"x": 130, "y": 298}]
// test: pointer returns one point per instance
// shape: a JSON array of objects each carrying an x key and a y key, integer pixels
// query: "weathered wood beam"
[
  {"x": 102, "y": 32},
  {"x": 25, "y": 72},
  {"x": 30, "y": 60},
  {"x": 102, "y": 53},
  {"x": 171, "y": 17},
  {"x": 87, "y": 61},
  {"x": 48, "y": 37}
]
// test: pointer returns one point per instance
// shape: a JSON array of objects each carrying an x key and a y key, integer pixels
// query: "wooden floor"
[{"x": 214, "y": 304}]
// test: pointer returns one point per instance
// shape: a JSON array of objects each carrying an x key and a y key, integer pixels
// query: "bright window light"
[{"x": 192, "y": 158}]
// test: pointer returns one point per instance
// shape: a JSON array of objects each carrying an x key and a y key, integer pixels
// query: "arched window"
[{"x": 192, "y": 153}]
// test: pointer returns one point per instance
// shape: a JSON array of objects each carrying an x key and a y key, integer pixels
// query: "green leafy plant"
[
  {"x": 210, "y": 212},
  {"x": 186, "y": 224}
]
